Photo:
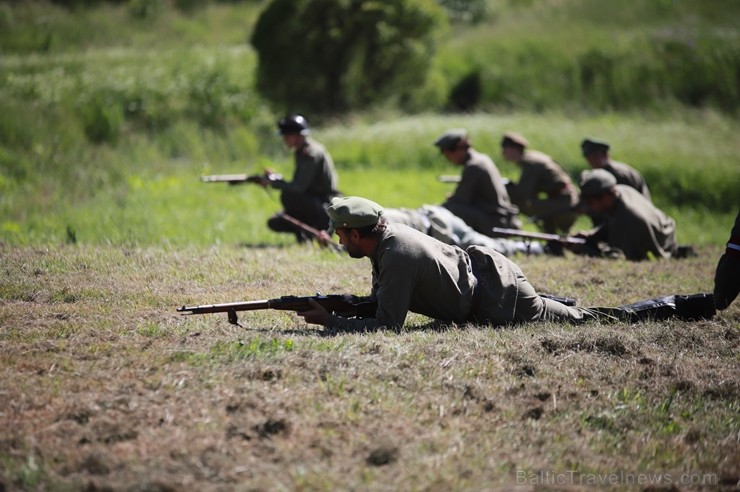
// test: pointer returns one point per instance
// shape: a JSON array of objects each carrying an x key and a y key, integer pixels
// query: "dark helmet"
[{"x": 293, "y": 123}]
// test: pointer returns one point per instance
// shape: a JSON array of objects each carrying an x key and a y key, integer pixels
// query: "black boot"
[{"x": 686, "y": 307}]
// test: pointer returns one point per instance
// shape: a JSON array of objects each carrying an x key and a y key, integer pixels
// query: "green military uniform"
[
  {"x": 727, "y": 275},
  {"x": 624, "y": 174},
  {"x": 443, "y": 225},
  {"x": 414, "y": 272},
  {"x": 629, "y": 176},
  {"x": 634, "y": 226},
  {"x": 546, "y": 191},
  {"x": 306, "y": 196},
  {"x": 480, "y": 198}
]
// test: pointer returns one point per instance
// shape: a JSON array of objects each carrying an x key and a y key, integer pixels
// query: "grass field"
[
  {"x": 107, "y": 121},
  {"x": 106, "y": 387}
]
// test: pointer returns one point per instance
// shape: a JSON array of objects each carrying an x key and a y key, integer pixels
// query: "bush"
[
  {"x": 326, "y": 56},
  {"x": 102, "y": 118}
]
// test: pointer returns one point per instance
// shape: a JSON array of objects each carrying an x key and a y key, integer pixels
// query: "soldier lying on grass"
[{"x": 412, "y": 271}]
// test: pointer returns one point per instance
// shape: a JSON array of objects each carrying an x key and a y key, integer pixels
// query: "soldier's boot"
[{"x": 686, "y": 307}]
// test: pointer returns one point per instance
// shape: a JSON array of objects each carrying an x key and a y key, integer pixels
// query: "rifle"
[
  {"x": 234, "y": 179},
  {"x": 451, "y": 178},
  {"x": 323, "y": 239},
  {"x": 538, "y": 235},
  {"x": 336, "y": 304}
]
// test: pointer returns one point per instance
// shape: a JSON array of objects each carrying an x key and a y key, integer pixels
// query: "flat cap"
[
  {"x": 594, "y": 182},
  {"x": 514, "y": 138},
  {"x": 590, "y": 145},
  {"x": 352, "y": 212},
  {"x": 449, "y": 139}
]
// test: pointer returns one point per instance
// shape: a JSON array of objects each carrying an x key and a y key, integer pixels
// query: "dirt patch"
[{"x": 610, "y": 345}]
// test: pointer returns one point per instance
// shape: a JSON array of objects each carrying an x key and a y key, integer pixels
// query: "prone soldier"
[{"x": 412, "y": 271}]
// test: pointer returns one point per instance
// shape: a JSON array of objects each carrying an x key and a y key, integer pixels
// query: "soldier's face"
[
  {"x": 594, "y": 159},
  {"x": 510, "y": 153},
  {"x": 349, "y": 238},
  {"x": 601, "y": 203},
  {"x": 292, "y": 140},
  {"x": 455, "y": 156}
]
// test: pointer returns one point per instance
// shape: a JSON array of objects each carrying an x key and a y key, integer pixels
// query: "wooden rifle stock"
[
  {"x": 323, "y": 239},
  {"x": 335, "y": 304},
  {"x": 542, "y": 236}
]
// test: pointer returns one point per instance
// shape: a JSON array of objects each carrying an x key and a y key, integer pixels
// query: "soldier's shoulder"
[
  {"x": 314, "y": 148},
  {"x": 621, "y": 166},
  {"x": 538, "y": 158}
]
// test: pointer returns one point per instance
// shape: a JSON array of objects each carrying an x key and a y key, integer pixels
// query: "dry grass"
[{"x": 104, "y": 387}]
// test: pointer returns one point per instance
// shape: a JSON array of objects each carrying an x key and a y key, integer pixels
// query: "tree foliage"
[{"x": 336, "y": 55}]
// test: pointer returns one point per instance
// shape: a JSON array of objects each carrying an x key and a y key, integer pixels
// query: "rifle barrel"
[
  {"x": 539, "y": 235},
  {"x": 224, "y": 308},
  {"x": 333, "y": 303},
  {"x": 225, "y": 178}
]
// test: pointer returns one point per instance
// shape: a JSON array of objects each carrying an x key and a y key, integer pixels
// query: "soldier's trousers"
[
  {"x": 507, "y": 297},
  {"x": 309, "y": 209}
]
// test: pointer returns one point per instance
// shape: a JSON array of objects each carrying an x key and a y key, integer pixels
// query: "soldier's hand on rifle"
[
  {"x": 317, "y": 315},
  {"x": 268, "y": 177},
  {"x": 324, "y": 238},
  {"x": 577, "y": 248}
]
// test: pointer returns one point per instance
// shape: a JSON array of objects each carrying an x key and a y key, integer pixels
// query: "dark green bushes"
[
  {"x": 640, "y": 74},
  {"x": 337, "y": 55}
]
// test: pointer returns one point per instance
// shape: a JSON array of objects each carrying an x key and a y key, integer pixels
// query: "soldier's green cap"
[
  {"x": 514, "y": 138},
  {"x": 590, "y": 145},
  {"x": 352, "y": 212},
  {"x": 594, "y": 182},
  {"x": 449, "y": 139}
]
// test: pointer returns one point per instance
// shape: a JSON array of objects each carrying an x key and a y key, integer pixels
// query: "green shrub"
[
  {"x": 102, "y": 118},
  {"x": 336, "y": 55}
]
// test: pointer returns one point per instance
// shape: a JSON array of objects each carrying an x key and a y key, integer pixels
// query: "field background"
[{"x": 110, "y": 113}]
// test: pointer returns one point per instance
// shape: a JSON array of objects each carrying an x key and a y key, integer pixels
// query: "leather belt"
[{"x": 477, "y": 291}]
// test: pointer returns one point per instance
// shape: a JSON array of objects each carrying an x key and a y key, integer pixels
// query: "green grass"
[
  {"x": 157, "y": 200},
  {"x": 105, "y": 145},
  {"x": 143, "y": 393},
  {"x": 106, "y": 124}
]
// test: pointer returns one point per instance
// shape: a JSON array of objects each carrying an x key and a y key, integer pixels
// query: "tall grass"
[
  {"x": 106, "y": 145},
  {"x": 596, "y": 55}
]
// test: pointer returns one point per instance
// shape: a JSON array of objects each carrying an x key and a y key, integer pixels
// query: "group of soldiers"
[
  {"x": 613, "y": 194},
  {"x": 446, "y": 262}
]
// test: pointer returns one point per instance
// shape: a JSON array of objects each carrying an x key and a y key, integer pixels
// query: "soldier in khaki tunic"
[
  {"x": 596, "y": 153},
  {"x": 544, "y": 189},
  {"x": 634, "y": 226},
  {"x": 314, "y": 182},
  {"x": 480, "y": 198},
  {"x": 414, "y": 272},
  {"x": 727, "y": 275}
]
